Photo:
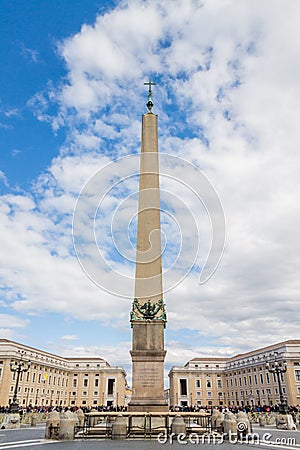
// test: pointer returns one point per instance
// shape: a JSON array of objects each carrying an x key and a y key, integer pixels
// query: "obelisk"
[{"x": 148, "y": 317}]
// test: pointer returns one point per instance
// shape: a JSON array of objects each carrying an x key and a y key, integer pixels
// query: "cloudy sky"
[{"x": 71, "y": 100}]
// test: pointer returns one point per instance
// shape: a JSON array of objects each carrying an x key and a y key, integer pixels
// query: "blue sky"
[{"x": 71, "y": 101}]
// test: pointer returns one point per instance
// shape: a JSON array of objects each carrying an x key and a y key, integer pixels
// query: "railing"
[{"x": 141, "y": 425}]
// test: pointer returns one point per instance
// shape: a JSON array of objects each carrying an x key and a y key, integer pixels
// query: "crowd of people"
[
  {"x": 207, "y": 409},
  {"x": 45, "y": 409},
  {"x": 235, "y": 409}
]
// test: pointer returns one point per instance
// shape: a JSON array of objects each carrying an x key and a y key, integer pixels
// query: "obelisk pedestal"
[{"x": 148, "y": 317}]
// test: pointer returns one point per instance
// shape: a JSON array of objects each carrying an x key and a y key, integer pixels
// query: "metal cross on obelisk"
[
  {"x": 150, "y": 102},
  {"x": 148, "y": 316}
]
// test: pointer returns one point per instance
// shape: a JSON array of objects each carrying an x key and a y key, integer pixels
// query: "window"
[
  {"x": 219, "y": 384},
  {"x": 261, "y": 378},
  {"x": 84, "y": 393},
  {"x": 198, "y": 383},
  {"x": 95, "y": 392},
  {"x": 298, "y": 389},
  {"x": 250, "y": 379},
  {"x": 183, "y": 386},
  {"x": 245, "y": 381},
  {"x": 198, "y": 394},
  {"x": 96, "y": 382},
  {"x": 268, "y": 377},
  {"x": 296, "y": 364},
  {"x": 208, "y": 383},
  {"x": 255, "y": 379},
  {"x": 85, "y": 382},
  {"x": 282, "y": 377},
  {"x": 75, "y": 383},
  {"x": 209, "y": 394},
  {"x": 110, "y": 386},
  {"x": 39, "y": 377}
]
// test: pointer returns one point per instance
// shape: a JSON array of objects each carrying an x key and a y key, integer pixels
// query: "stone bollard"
[
  {"x": 229, "y": 425},
  {"x": 178, "y": 426},
  {"x": 34, "y": 419},
  {"x": 219, "y": 421},
  {"x": 67, "y": 426},
  {"x": 11, "y": 421},
  {"x": 119, "y": 428},
  {"x": 214, "y": 416},
  {"x": 262, "y": 421},
  {"x": 80, "y": 417},
  {"x": 285, "y": 422},
  {"x": 52, "y": 425},
  {"x": 243, "y": 424}
]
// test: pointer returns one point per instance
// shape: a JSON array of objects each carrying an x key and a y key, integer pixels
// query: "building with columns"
[
  {"x": 54, "y": 380},
  {"x": 240, "y": 380}
]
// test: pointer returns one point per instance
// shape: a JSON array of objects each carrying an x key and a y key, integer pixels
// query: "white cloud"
[
  {"x": 11, "y": 321},
  {"x": 30, "y": 54},
  {"x": 3, "y": 178},
  {"x": 70, "y": 337}
]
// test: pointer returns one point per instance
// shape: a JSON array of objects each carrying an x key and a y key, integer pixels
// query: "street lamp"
[
  {"x": 278, "y": 369},
  {"x": 17, "y": 367}
]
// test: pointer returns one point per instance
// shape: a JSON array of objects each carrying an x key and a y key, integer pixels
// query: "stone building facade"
[
  {"x": 240, "y": 380},
  {"x": 59, "y": 381}
]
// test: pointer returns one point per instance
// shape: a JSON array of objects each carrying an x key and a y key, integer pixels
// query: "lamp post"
[
  {"x": 17, "y": 367},
  {"x": 278, "y": 369}
]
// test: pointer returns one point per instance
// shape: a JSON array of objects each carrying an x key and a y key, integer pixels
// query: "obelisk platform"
[{"x": 148, "y": 317}]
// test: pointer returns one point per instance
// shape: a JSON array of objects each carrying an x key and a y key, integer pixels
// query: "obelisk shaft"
[
  {"x": 148, "y": 276},
  {"x": 148, "y": 316}
]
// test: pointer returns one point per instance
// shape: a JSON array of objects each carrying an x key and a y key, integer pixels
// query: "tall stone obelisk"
[{"x": 148, "y": 317}]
